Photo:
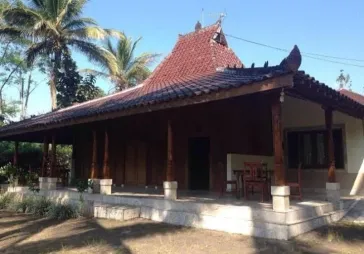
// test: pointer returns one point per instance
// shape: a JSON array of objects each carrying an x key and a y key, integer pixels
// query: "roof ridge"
[
  {"x": 199, "y": 31},
  {"x": 99, "y": 99}
]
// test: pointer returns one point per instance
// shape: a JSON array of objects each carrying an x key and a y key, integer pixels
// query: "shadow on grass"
[{"x": 90, "y": 232}]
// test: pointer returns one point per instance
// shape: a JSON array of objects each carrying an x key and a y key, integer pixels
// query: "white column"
[
  {"x": 280, "y": 196},
  {"x": 333, "y": 195},
  {"x": 170, "y": 190}
]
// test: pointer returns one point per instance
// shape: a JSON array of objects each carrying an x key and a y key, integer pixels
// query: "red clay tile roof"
[
  {"x": 195, "y": 54},
  {"x": 352, "y": 95}
]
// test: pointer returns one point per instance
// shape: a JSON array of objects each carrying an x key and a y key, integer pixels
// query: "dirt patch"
[{"x": 21, "y": 233}]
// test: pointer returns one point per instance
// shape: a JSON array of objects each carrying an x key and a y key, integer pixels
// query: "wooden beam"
[
  {"x": 279, "y": 171},
  {"x": 106, "y": 166},
  {"x": 53, "y": 157},
  {"x": 45, "y": 156},
  {"x": 170, "y": 163},
  {"x": 330, "y": 146},
  {"x": 256, "y": 87},
  {"x": 16, "y": 153},
  {"x": 94, "y": 168}
]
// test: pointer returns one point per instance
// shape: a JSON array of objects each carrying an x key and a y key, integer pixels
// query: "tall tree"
[
  {"x": 54, "y": 27},
  {"x": 72, "y": 87},
  {"x": 343, "y": 80},
  {"x": 130, "y": 70}
]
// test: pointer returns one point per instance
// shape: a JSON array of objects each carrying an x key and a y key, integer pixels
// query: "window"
[{"x": 310, "y": 148}]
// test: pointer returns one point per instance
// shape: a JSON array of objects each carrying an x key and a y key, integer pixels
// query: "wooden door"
[{"x": 135, "y": 163}]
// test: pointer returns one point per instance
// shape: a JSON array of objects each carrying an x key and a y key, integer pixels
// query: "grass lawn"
[{"x": 21, "y": 233}]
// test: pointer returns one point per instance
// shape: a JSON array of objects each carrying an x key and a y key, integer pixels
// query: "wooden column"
[
  {"x": 53, "y": 158},
  {"x": 106, "y": 167},
  {"x": 279, "y": 171},
  {"x": 45, "y": 156},
  {"x": 170, "y": 164},
  {"x": 16, "y": 153},
  {"x": 330, "y": 146},
  {"x": 94, "y": 169}
]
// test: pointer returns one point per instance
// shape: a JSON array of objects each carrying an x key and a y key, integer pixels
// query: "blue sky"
[{"x": 323, "y": 27}]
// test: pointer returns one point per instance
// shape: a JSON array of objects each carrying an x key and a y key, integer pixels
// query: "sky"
[{"x": 334, "y": 28}]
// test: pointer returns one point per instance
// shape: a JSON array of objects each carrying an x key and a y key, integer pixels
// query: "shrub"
[
  {"x": 40, "y": 206},
  {"x": 82, "y": 185},
  {"x": 23, "y": 205},
  {"x": 63, "y": 212},
  {"x": 5, "y": 200}
]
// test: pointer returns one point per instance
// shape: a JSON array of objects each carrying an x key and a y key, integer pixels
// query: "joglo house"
[{"x": 199, "y": 117}]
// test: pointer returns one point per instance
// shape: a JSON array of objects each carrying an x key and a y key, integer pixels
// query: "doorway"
[{"x": 199, "y": 163}]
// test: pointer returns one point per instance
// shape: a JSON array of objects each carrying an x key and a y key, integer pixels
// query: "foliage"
[
  {"x": 39, "y": 206},
  {"x": 87, "y": 90},
  {"x": 68, "y": 80},
  {"x": 54, "y": 26},
  {"x": 82, "y": 185},
  {"x": 32, "y": 180},
  {"x": 130, "y": 70},
  {"x": 72, "y": 87},
  {"x": 5, "y": 200},
  {"x": 343, "y": 80},
  {"x": 10, "y": 173},
  {"x": 62, "y": 211}
]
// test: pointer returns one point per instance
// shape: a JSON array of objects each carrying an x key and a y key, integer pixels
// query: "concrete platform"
[
  {"x": 115, "y": 212},
  {"x": 223, "y": 214}
]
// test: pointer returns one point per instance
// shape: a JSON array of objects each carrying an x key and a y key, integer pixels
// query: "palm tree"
[
  {"x": 54, "y": 27},
  {"x": 131, "y": 70}
]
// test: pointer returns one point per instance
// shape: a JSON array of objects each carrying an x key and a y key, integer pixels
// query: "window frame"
[{"x": 316, "y": 129}]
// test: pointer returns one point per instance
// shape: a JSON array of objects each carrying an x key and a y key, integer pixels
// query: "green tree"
[
  {"x": 131, "y": 70},
  {"x": 88, "y": 90},
  {"x": 54, "y": 27},
  {"x": 68, "y": 80}
]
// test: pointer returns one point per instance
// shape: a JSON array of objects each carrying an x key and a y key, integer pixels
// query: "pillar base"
[
  {"x": 48, "y": 183},
  {"x": 170, "y": 190},
  {"x": 333, "y": 195},
  {"x": 106, "y": 186},
  {"x": 280, "y": 196}
]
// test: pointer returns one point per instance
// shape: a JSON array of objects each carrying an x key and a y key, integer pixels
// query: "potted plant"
[{"x": 90, "y": 186}]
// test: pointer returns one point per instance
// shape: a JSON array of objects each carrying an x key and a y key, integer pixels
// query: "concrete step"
[{"x": 116, "y": 212}]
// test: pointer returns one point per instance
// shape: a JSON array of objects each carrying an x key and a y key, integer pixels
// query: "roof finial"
[
  {"x": 222, "y": 16},
  {"x": 198, "y": 26},
  {"x": 293, "y": 61}
]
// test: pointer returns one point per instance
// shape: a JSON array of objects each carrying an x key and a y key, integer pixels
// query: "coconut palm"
[
  {"x": 131, "y": 70},
  {"x": 54, "y": 27}
]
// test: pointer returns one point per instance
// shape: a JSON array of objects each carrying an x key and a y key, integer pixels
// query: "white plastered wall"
[{"x": 299, "y": 113}]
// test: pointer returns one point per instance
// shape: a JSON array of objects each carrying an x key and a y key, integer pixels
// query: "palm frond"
[
  {"x": 96, "y": 54},
  {"x": 95, "y": 73},
  {"x": 63, "y": 12},
  {"x": 79, "y": 23},
  {"x": 88, "y": 33},
  {"x": 9, "y": 32},
  {"x": 38, "y": 49},
  {"x": 21, "y": 17},
  {"x": 37, "y": 4},
  {"x": 115, "y": 33}
]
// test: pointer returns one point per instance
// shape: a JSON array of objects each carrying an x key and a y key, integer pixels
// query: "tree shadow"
[{"x": 90, "y": 231}]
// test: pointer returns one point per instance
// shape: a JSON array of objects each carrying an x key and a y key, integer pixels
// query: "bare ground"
[{"x": 21, "y": 233}]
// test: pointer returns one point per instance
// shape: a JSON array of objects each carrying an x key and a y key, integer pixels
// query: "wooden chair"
[
  {"x": 297, "y": 185},
  {"x": 234, "y": 183},
  {"x": 255, "y": 177}
]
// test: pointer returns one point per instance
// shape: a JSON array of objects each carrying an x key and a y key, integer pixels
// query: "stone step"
[{"x": 116, "y": 212}]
